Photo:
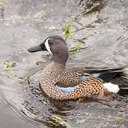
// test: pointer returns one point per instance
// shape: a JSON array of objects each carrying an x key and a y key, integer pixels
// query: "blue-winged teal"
[{"x": 60, "y": 83}]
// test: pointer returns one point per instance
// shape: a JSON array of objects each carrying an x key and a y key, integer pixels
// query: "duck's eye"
[
  {"x": 50, "y": 42},
  {"x": 43, "y": 46}
]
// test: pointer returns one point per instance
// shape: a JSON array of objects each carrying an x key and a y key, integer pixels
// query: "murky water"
[{"x": 102, "y": 26}]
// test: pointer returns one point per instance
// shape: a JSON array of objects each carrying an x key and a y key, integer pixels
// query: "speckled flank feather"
[{"x": 53, "y": 74}]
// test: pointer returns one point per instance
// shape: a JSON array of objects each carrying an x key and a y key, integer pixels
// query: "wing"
[
  {"x": 71, "y": 78},
  {"x": 88, "y": 87}
]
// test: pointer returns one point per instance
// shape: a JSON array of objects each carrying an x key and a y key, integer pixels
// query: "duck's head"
[{"x": 56, "y": 46}]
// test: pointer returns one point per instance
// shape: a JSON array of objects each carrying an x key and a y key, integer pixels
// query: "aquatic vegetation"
[
  {"x": 37, "y": 62},
  {"x": 78, "y": 47},
  {"x": 39, "y": 14},
  {"x": 80, "y": 100},
  {"x": 72, "y": 49},
  {"x": 60, "y": 120},
  {"x": 27, "y": 78},
  {"x": 79, "y": 121},
  {"x": 66, "y": 30},
  {"x": 125, "y": 28},
  {"x": 9, "y": 64},
  {"x": 24, "y": 79}
]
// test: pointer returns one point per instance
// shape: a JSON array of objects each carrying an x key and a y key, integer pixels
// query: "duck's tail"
[{"x": 106, "y": 74}]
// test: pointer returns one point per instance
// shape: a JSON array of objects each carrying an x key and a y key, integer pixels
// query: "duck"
[{"x": 60, "y": 83}]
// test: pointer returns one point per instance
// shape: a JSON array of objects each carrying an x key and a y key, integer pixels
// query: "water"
[{"x": 101, "y": 24}]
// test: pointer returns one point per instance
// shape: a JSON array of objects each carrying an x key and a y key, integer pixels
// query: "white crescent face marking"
[{"x": 48, "y": 47}]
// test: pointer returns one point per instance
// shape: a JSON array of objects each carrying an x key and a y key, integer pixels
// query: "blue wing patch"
[
  {"x": 95, "y": 75},
  {"x": 66, "y": 90},
  {"x": 69, "y": 89}
]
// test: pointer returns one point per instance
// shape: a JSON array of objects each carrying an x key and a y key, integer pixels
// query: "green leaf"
[
  {"x": 59, "y": 119},
  {"x": 27, "y": 78},
  {"x": 13, "y": 64},
  {"x": 80, "y": 100},
  {"x": 39, "y": 14},
  {"x": 72, "y": 49},
  {"x": 7, "y": 64},
  {"x": 37, "y": 62},
  {"x": 67, "y": 26},
  {"x": 66, "y": 30},
  {"x": 56, "y": 117},
  {"x": 78, "y": 46}
]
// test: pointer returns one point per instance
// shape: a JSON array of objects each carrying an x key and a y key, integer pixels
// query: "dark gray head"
[{"x": 56, "y": 46}]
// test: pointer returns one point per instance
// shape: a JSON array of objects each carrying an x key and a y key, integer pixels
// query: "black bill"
[
  {"x": 40, "y": 47},
  {"x": 35, "y": 49}
]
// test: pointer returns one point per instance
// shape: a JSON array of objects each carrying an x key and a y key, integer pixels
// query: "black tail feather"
[
  {"x": 106, "y": 74},
  {"x": 105, "y": 69}
]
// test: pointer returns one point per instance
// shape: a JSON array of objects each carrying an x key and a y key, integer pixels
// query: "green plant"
[
  {"x": 60, "y": 120},
  {"x": 27, "y": 78},
  {"x": 37, "y": 62},
  {"x": 66, "y": 30},
  {"x": 9, "y": 64},
  {"x": 78, "y": 46},
  {"x": 39, "y": 14},
  {"x": 72, "y": 49}
]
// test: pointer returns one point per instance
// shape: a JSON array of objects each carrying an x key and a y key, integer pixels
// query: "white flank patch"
[
  {"x": 111, "y": 87},
  {"x": 47, "y": 46}
]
